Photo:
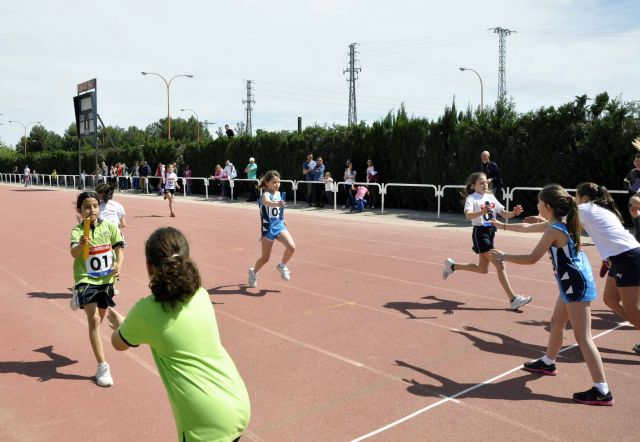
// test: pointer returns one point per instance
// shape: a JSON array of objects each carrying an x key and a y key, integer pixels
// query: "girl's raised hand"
[{"x": 517, "y": 210}]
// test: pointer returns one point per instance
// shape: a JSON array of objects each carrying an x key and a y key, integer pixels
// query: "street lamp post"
[
  {"x": 481, "y": 87},
  {"x": 168, "y": 83},
  {"x": 25, "y": 131},
  {"x": 197, "y": 122}
]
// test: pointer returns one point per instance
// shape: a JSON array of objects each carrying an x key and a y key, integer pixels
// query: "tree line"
[{"x": 582, "y": 140}]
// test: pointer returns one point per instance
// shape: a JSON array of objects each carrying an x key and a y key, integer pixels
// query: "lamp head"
[
  {"x": 144, "y": 73},
  {"x": 189, "y": 75},
  {"x": 462, "y": 69}
]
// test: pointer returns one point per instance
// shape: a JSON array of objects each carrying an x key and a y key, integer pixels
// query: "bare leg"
[
  {"x": 483, "y": 268},
  {"x": 612, "y": 298},
  {"x": 170, "y": 203},
  {"x": 631, "y": 303},
  {"x": 559, "y": 320},
  {"x": 580, "y": 317},
  {"x": 94, "y": 318},
  {"x": 290, "y": 246},
  {"x": 267, "y": 245}
]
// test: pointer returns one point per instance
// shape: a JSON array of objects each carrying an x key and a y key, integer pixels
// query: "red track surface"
[{"x": 366, "y": 335}]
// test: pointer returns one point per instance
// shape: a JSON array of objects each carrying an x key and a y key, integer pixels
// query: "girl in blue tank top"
[
  {"x": 561, "y": 239},
  {"x": 272, "y": 227}
]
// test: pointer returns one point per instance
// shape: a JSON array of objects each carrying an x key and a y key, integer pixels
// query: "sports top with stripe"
[
  {"x": 573, "y": 270},
  {"x": 271, "y": 218}
]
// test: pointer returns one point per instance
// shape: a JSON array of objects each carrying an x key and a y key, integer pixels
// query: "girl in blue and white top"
[
  {"x": 272, "y": 227},
  {"x": 480, "y": 207},
  {"x": 561, "y": 239}
]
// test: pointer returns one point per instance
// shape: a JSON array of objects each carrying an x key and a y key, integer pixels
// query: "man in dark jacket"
[{"x": 493, "y": 173}]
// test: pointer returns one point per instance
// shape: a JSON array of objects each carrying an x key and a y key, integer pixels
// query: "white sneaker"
[
  {"x": 284, "y": 271},
  {"x": 448, "y": 268},
  {"x": 103, "y": 375},
  {"x": 73, "y": 303},
  {"x": 253, "y": 278},
  {"x": 519, "y": 301}
]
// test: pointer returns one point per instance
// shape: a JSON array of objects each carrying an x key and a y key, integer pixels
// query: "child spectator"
[
  {"x": 360, "y": 202},
  {"x": 328, "y": 188}
]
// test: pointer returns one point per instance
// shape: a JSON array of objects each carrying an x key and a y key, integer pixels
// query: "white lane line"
[{"x": 473, "y": 387}]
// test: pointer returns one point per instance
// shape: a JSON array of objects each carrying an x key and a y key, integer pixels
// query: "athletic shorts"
[
  {"x": 625, "y": 268},
  {"x": 483, "y": 238},
  {"x": 99, "y": 294},
  {"x": 274, "y": 232},
  {"x": 171, "y": 191}
]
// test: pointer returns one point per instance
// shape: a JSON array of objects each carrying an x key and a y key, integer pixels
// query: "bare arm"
[
  {"x": 634, "y": 205},
  {"x": 115, "y": 321},
  {"x": 523, "y": 227},
  {"x": 549, "y": 237},
  {"x": 122, "y": 223}
]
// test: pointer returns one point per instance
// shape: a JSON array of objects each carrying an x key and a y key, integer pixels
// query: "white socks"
[
  {"x": 547, "y": 360},
  {"x": 602, "y": 387}
]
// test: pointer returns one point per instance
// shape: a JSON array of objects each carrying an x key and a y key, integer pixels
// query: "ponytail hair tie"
[{"x": 174, "y": 255}]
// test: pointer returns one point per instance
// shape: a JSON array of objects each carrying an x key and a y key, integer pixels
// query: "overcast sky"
[{"x": 295, "y": 52}]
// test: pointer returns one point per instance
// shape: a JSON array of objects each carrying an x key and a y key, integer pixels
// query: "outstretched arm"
[{"x": 543, "y": 245}]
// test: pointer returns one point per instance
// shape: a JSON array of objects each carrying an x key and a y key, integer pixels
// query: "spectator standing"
[
  {"x": 493, "y": 173},
  {"x": 104, "y": 172},
  {"x": 27, "y": 175},
  {"x": 145, "y": 171},
  {"x": 309, "y": 171},
  {"x": 187, "y": 178},
  {"x": 252, "y": 172},
  {"x": 372, "y": 177},
  {"x": 229, "y": 131},
  {"x": 632, "y": 183},
  {"x": 135, "y": 174},
  {"x": 229, "y": 174},
  {"x": 317, "y": 195},
  {"x": 349, "y": 179},
  {"x": 217, "y": 183},
  {"x": 328, "y": 188}
]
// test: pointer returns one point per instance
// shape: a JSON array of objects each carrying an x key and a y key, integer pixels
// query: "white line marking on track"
[{"x": 467, "y": 390}]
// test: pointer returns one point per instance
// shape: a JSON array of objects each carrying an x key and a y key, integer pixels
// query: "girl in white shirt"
[
  {"x": 170, "y": 184},
  {"x": 480, "y": 208}
]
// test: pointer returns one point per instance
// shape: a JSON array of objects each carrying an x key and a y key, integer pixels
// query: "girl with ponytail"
[
  {"x": 208, "y": 397},
  {"x": 561, "y": 239}
]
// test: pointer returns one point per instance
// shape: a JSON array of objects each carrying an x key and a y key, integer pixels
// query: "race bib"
[
  {"x": 100, "y": 260},
  {"x": 275, "y": 212}
]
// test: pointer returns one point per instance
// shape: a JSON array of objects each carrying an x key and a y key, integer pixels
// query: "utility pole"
[
  {"x": 248, "y": 107},
  {"x": 353, "y": 76},
  {"x": 502, "y": 54}
]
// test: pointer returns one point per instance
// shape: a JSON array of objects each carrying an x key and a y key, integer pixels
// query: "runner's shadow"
[
  {"x": 43, "y": 370},
  {"x": 446, "y": 305},
  {"x": 510, "y": 346},
  {"x": 241, "y": 289},
  {"x": 601, "y": 320},
  {"x": 514, "y": 389},
  {"x": 47, "y": 295}
]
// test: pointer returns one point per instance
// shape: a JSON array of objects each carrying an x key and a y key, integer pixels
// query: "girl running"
[
  {"x": 481, "y": 207},
  {"x": 110, "y": 210},
  {"x": 561, "y": 239},
  {"x": 272, "y": 227},
  {"x": 208, "y": 397},
  {"x": 94, "y": 273},
  {"x": 170, "y": 183}
]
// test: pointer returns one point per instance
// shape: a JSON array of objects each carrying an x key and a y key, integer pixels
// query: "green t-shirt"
[
  {"x": 208, "y": 397},
  {"x": 252, "y": 171},
  {"x": 96, "y": 270}
]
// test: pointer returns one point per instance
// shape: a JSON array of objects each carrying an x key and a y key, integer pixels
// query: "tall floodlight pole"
[
  {"x": 502, "y": 54},
  {"x": 197, "y": 123},
  {"x": 25, "y": 130},
  {"x": 481, "y": 87},
  {"x": 352, "y": 70},
  {"x": 168, "y": 83},
  {"x": 249, "y": 110}
]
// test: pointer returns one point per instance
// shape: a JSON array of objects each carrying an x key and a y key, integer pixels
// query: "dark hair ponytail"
[
  {"x": 563, "y": 205},
  {"x": 600, "y": 196},
  {"x": 106, "y": 190},
  {"x": 176, "y": 277}
]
